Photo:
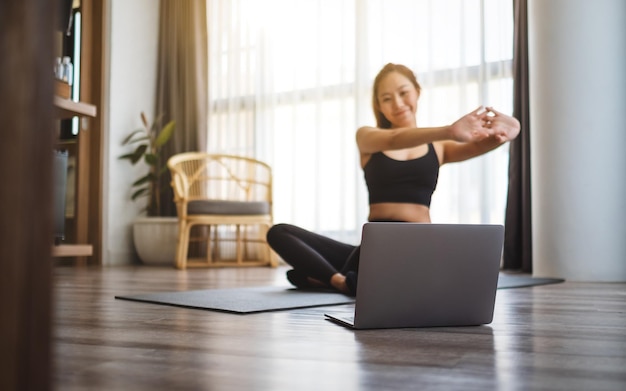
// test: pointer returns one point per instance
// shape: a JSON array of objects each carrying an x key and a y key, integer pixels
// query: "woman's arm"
[
  {"x": 471, "y": 127},
  {"x": 503, "y": 128},
  {"x": 372, "y": 140}
]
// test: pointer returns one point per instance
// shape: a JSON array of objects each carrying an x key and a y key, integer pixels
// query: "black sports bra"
[{"x": 407, "y": 181}]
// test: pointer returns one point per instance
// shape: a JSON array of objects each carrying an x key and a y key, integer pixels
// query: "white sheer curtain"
[{"x": 290, "y": 82}]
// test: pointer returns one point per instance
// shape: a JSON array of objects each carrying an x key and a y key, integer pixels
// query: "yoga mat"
[
  {"x": 244, "y": 300},
  {"x": 277, "y": 298},
  {"x": 508, "y": 281}
]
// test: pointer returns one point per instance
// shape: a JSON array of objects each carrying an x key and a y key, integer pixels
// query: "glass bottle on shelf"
[
  {"x": 58, "y": 68},
  {"x": 68, "y": 70}
]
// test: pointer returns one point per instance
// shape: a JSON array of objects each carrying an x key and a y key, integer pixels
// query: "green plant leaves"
[
  {"x": 151, "y": 139},
  {"x": 165, "y": 134},
  {"x": 144, "y": 179},
  {"x": 129, "y": 139},
  {"x": 151, "y": 159},
  {"x": 136, "y": 155},
  {"x": 141, "y": 192}
]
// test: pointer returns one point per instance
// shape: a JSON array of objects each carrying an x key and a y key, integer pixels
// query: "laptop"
[{"x": 425, "y": 275}]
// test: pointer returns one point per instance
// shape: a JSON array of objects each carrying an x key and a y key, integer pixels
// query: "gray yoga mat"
[
  {"x": 508, "y": 281},
  {"x": 245, "y": 300},
  {"x": 251, "y": 300}
]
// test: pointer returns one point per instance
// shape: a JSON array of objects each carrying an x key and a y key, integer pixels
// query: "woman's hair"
[{"x": 381, "y": 121}]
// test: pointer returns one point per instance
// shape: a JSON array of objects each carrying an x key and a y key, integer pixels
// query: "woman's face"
[{"x": 397, "y": 98}]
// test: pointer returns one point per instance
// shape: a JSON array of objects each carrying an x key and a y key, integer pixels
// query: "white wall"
[
  {"x": 133, "y": 27},
  {"x": 578, "y": 138}
]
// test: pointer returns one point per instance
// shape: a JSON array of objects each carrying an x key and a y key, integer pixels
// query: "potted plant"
[{"x": 154, "y": 236}]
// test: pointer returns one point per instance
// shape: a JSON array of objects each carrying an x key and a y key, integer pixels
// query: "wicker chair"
[{"x": 222, "y": 200}]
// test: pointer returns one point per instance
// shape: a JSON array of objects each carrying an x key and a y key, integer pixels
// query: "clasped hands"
[{"x": 483, "y": 123}]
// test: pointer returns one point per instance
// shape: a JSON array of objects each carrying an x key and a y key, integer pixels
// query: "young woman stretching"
[{"x": 401, "y": 165}]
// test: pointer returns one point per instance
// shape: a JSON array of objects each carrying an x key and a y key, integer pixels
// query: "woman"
[{"x": 401, "y": 165}]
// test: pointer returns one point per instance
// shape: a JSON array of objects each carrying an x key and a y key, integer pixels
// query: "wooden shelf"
[
  {"x": 69, "y": 145},
  {"x": 72, "y": 250},
  {"x": 68, "y": 108}
]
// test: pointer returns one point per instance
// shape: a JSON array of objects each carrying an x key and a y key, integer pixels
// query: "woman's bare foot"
[{"x": 338, "y": 281}]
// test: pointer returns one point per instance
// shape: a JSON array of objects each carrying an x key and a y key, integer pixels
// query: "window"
[{"x": 290, "y": 82}]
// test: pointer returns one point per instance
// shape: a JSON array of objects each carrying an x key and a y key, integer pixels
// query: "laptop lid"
[{"x": 427, "y": 275}]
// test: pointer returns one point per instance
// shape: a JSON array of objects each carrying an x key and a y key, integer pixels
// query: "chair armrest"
[{"x": 180, "y": 186}]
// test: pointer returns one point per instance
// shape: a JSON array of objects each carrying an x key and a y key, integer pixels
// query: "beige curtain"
[
  {"x": 518, "y": 234},
  {"x": 182, "y": 81}
]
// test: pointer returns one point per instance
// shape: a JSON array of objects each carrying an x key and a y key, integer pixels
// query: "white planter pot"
[{"x": 155, "y": 240}]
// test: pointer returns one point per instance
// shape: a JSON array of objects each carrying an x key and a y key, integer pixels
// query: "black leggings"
[{"x": 312, "y": 254}]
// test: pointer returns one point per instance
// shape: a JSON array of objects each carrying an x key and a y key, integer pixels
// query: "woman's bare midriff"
[{"x": 413, "y": 213}]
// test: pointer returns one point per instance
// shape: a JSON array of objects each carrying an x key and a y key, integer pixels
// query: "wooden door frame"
[{"x": 90, "y": 150}]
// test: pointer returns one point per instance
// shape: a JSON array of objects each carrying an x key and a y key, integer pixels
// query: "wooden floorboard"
[{"x": 569, "y": 336}]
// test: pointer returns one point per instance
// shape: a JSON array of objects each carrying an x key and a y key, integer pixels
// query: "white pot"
[{"x": 155, "y": 240}]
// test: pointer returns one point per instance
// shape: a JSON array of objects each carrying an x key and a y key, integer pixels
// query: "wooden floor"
[{"x": 569, "y": 336}]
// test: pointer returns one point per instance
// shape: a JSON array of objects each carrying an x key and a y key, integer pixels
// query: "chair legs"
[
  {"x": 214, "y": 247},
  {"x": 238, "y": 245},
  {"x": 182, "y": 246}
]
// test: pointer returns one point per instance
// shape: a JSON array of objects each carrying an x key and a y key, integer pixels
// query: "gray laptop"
[{"x": 425, "y": 275}]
